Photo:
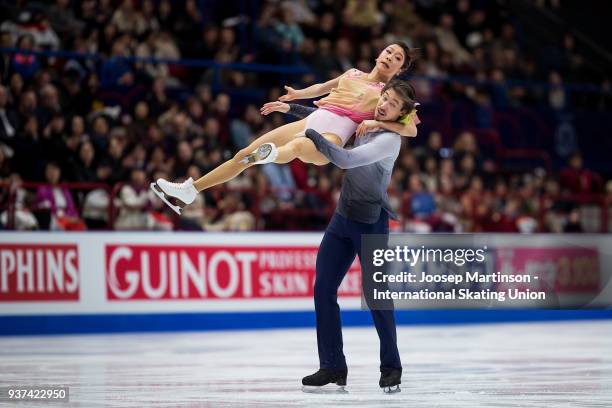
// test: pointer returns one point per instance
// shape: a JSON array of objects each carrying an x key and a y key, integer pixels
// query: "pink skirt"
[{"x": 324, "y": 121}]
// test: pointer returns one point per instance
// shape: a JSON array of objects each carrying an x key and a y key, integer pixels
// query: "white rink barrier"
[{"x": 103, "y": 277}]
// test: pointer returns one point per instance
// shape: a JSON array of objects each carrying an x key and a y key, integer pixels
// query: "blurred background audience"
[{"x": 515, "y": 111}]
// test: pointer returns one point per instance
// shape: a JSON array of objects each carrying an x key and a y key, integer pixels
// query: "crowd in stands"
[{"x": 60, "y": 120}]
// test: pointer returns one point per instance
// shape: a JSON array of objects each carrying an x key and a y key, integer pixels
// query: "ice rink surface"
[{"x": 565, "y": 364}]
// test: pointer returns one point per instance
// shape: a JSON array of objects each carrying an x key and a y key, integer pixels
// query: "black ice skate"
[
  {"x": 390, "y": 380},
  {"x": 315, "y": 383}
]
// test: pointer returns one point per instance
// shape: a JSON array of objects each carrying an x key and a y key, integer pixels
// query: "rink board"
[{"x": 117, "y": 282}]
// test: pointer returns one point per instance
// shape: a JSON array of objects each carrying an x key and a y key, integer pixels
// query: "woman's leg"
[
  {"x": 231, "y": 168},
  {"x": 304, "y": 149}
]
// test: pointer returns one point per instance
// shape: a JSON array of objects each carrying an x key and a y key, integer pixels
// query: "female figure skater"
[{"x": 352, "y": 100}]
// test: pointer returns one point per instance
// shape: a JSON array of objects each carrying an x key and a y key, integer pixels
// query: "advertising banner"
[
  {"x": 64, "y": 282},
  {"x": 39, "y": 272}
]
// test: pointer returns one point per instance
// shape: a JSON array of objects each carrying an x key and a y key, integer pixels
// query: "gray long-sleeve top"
[{"x": 369, "y": 166}]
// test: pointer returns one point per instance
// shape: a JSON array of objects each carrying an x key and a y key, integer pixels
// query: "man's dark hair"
[{"x": 405, "y": 91}]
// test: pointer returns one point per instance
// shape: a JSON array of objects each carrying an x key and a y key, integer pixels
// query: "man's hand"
[
  {"x": 291, "y": 95},
  {"x": 367, "y": 126},
  {"x": 275, "y": 106},
  {"x": 310, "y": 133}
]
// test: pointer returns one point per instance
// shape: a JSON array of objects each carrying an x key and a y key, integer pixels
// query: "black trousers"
[{"x": 341, "y": 242}]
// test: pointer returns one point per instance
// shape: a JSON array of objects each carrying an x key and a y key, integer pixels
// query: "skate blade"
[
  {"x": 334, "y": 389},
  {"x": 158, "y": 192},
  {"x": 392, "y": 390}
]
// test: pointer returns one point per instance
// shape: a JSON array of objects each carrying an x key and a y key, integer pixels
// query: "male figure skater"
[{"x": 363, "y": 208}]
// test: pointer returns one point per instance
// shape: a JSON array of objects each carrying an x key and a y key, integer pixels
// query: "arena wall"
[{"x": 153, "y": 281}]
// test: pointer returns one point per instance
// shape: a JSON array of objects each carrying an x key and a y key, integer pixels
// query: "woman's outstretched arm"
[{"x": 311, "y": 92}]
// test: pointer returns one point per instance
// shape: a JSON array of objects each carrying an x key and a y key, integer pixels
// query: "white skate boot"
[
  {"x": 184, "y": 193},
  {"x": 266, "y": 153}
]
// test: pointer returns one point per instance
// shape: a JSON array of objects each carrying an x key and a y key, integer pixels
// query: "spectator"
[
  {"x": 431, "y": 149},
  {"x": 128, "y": 19},
  {"x": 85, "y": 167},
  {"x": 188, "y": 22},
  {"x": 116, "y": 71},
  {"x": 205, "y": 48},
  {"x": 288, "y": 29},
  {"x": 221, "y": 114},
  {"x": 137, "y": 130},
  {"x": 99, "y": 135},
  {"x": 8, "y": 118},
  {"x": 96, "y": 202},
  {"x": 114, "y": 155},
  {"x": 166, "y": 16},
  {"x": 135, "y": 205},
  {"x": 149, "y": 16},
  {"x": 243, "y": 130},
  {"x": 148, "y": 49},
  {"x": 573, "y": 222},
  {"x": 576, "y": 179},
  {"x": 448, "y": 40},
  {"x": 472, "y": 197},
  {"x": 362, "y": 16},
  {"x": 422, "y": 202},
  {"x": 23, "y": 219},
  {"x": 183, "y": 160},
  {"x": 43, "y": 34},
  {"x": 29, "y": 155},
  {"x": 25, "y": 64},
  {"x": 233, "y": 217},
  {"x": 466, "y": 171},
  {"x": 49, "y": 104},
  {"x": 58, "y": 201},
  {"x": 5, "y": 159},
  {"x": 556, "y": 94},
  {"x": 158, "y": 162},
  {"x": 158, "y": 100},
  {"x": 343, "y": 53}
]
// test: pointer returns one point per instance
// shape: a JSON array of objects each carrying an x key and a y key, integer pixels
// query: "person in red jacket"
[{"x": 576, "y": 179}]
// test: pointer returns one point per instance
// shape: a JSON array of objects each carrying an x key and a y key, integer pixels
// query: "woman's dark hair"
[
  {"x": 410, "y": 54},
  {"x": 405, "y": 91}
]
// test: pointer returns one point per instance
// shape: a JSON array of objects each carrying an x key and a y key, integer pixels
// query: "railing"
[
  {"x": 601, "y": 201},
  {"x": 214, "y": 66},
  {"x": 303, "y": 69},
  {"x": 10, "y": 191},
  {"x": 286, "y": 218}
]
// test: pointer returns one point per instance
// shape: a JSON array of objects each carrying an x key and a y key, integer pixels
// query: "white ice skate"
[
  {"x": 184, "y": 193},
  {"x": 266, "y": 153}
]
